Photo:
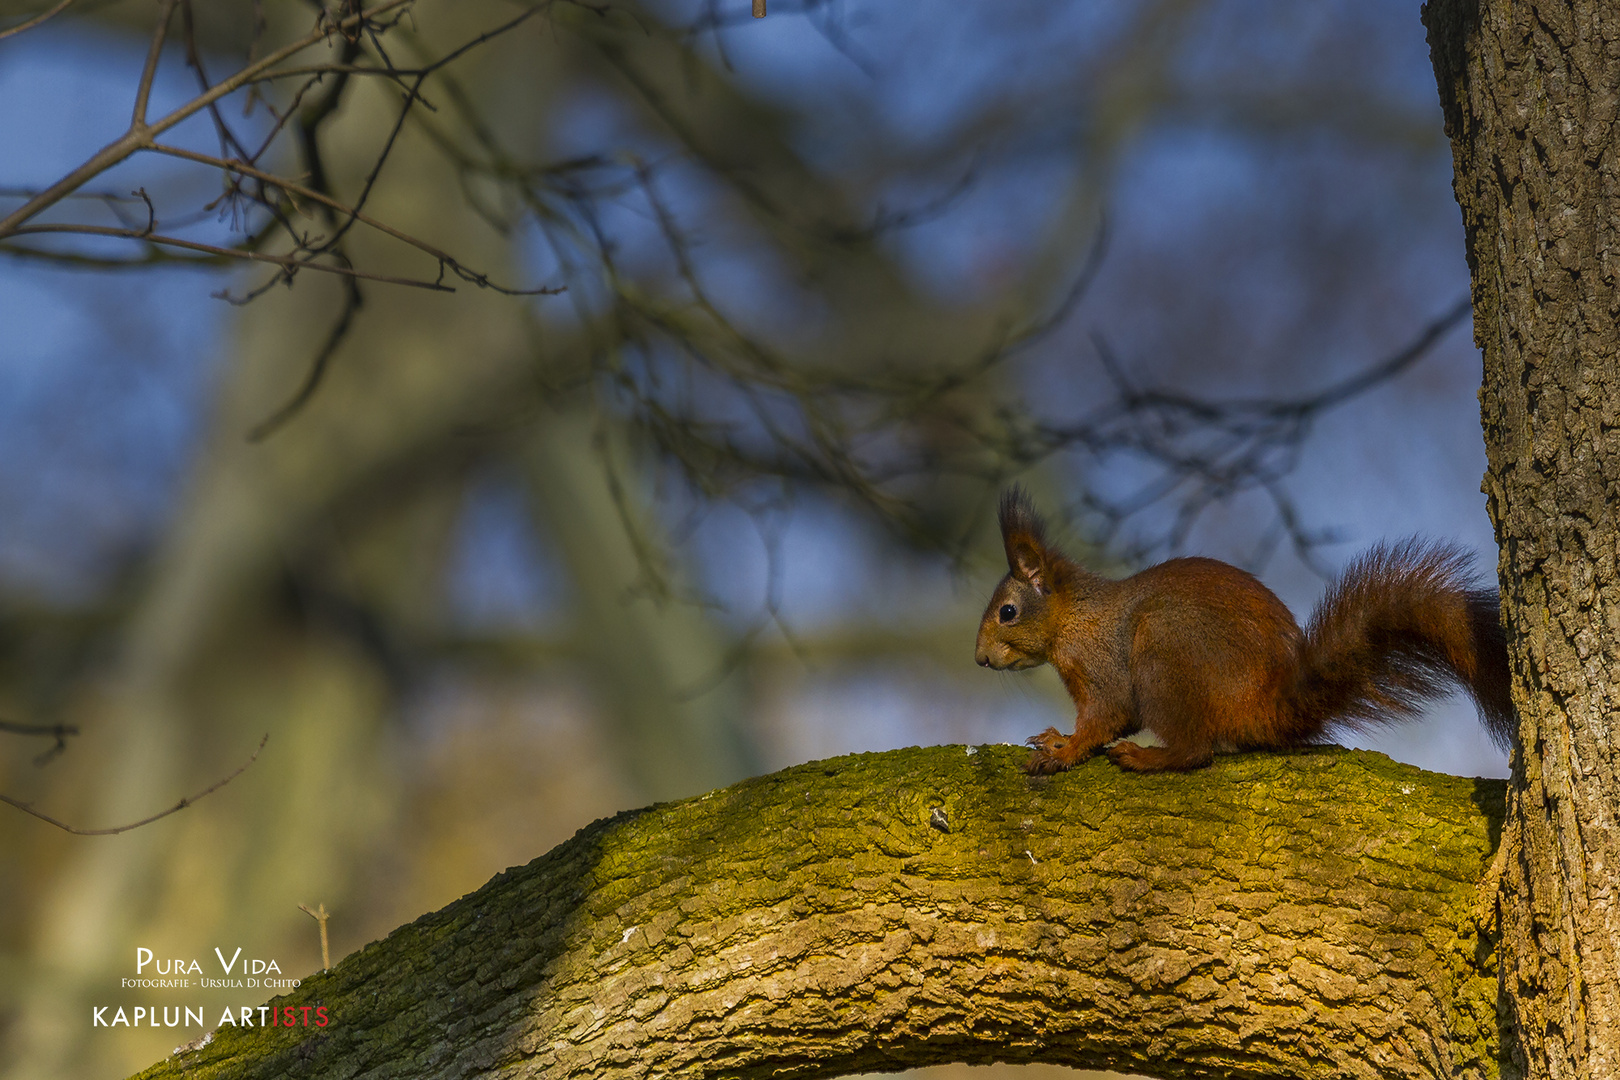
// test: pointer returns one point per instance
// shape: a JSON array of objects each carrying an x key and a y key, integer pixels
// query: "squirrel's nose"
[{"x": 981, "y": 658}]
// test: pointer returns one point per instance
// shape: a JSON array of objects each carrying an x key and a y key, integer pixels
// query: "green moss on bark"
[{"x": 1291, "y": 914}]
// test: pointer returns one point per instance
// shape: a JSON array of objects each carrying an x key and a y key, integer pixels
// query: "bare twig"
[
  {"x": 59, "y": 732},
  {"x": 56, "y": 731},
  {"x": 140, "y": 138},
  {"x": 289, "y": 262},
  {"x": 320, "y": 916},
  {"x": 267, "y": 427},
  {"x": 175, "y": 809},
  {"x": 28, "y": 24},
  {"x": 448, "y": 261},
  {"x": 151, "y": 213},
  {"x": 1207, "y": 451},
  {"x": 144, "y": 90},
  {"x": 247, "y": 186},
  {"x": 194, "y": 60},
  {"x": 412, "y": 96}
]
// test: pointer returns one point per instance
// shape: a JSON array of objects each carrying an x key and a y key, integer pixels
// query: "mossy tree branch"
[{"x": 1306, "y": 914}]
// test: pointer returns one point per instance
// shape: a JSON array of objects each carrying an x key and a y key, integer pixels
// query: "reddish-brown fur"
[{"x": 1204, "y": 656}]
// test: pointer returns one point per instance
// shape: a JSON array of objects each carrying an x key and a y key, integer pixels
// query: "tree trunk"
[
  {"x": 1306, "y": 914},
  {"x": 659, "y": 663},
  {"x": 1531, "y": 92}
]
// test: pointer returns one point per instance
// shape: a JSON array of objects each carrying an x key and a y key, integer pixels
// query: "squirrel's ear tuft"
[{"x": 1023, "y": 534}]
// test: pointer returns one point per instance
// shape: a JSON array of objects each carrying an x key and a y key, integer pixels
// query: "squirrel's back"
[{"x": 1227, "y": 646}]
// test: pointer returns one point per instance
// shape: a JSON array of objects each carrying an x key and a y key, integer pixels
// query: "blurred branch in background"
[
  {"x": 37, "y": 20},
  {"x": 268, "y": 208},
  {"x": 58, "y": 732},
  {"x": 670, "y": 355},
  {"x": 827, "y": 282},
  {"x": 1208, "y": 450},
  {"x": 114, "y": 830}
]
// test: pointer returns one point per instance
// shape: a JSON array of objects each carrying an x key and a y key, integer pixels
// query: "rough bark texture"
[
  {"x": 1306, "y": 914},
  {"x": 1532, "y": 95}
]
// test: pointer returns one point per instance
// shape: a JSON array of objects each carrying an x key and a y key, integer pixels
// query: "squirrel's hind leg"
[{"x": 1138, "y": 758}]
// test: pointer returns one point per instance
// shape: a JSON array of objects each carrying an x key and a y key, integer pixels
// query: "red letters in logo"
[{"x": 298, "y": 1016}]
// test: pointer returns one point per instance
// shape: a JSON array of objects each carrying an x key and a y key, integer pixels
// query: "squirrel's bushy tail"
[{"x": 1405, "y": 624}]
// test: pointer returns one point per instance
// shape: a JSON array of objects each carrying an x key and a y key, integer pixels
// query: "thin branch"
[
  {"x": 445, "y": 258},
  {"x": 1397, "y": 363},
  {"x": 29, "y": 24},
  {"x": 151, "y": 213},
  {"x": 59, "y": 732},
  {"x": 80, "y": 261},
  {"x": 412, "y": 96},
  {"x": 55, "y": 731},
  {"x": 394, "y": 74},
  {"x": 1208, "y": 451},
  {"x": 267, "y": 427},
  {"x": 289, "y": 262},
  {"x": 175, "y": 809},
  {"x": 144, "y": 91},
  {"x": 98, "y": 196},
  {"x": 227, "y": 138},
  {"x": 320, "y": 915},
  {"x": 141, "y": 138},
  {"x": 308, "y": 122}
]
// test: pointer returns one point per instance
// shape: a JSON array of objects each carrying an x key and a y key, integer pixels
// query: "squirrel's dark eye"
[{"x": 1008, "y": 613}]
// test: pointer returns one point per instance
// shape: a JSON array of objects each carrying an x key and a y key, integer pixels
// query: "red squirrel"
[{"x": 1205, "y": 657}]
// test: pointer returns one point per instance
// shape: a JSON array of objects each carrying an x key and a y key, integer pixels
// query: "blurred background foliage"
[{"x": 832, "y": 278}]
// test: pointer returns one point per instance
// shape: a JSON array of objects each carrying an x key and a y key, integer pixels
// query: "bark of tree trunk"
[
  {"x": 1531, "y": 92},
  {"x": 1309, "y": 914}
]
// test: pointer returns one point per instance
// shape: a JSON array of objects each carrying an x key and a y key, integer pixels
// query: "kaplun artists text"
[{"x": 182, "y": 974}]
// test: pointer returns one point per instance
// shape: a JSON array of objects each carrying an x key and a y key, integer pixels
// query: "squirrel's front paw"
[{"x": 1054, "y": 752}]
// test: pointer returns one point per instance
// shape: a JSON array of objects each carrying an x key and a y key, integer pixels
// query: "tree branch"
[
  {"x": 114, "y": 830},
  {"x": 444, "y": 258},
  {"x": 44, "y": 16},
  {"x": 1305, "y": 914},
  {"x": 143, "y": 91},
  {"x": 288, "y": 262},
  {"x": 57, "y": 732},
  {"x": 140, "y": 135}
]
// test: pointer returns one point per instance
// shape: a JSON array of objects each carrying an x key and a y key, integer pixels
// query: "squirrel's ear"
[
  {"x": 1023, "y": 534},
  {"x": 1026, "y": 559}
]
